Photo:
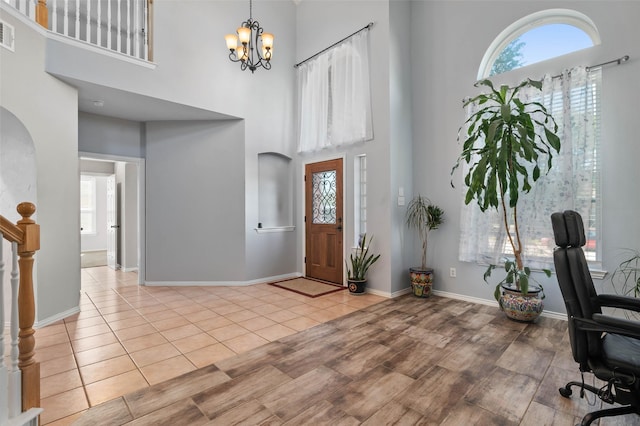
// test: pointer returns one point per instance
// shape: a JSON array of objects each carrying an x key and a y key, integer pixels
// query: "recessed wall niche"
[{"x": 275, "y": 191}]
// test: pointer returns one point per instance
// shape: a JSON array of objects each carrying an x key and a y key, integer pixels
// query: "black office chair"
[{"x": 607, "y": 346}]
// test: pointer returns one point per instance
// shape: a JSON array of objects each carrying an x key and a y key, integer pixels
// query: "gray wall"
[
  {"x": 110, "y": 136},
  {"x": 48, "y": 109},
  {"x": 453, "y": 39},
  {"x": 195, "y": 201}
]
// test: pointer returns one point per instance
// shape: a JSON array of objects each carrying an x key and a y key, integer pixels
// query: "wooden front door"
[{"x": 323, "y": 220}]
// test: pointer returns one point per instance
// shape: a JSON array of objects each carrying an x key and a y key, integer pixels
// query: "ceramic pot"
[
  {"x": 421, "y": 281},
  {"x": 357, "y": 286},
  {"x": 519, "y": 307}
]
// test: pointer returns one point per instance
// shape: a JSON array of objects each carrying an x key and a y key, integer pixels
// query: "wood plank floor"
[{"x": 403, "y": 361}]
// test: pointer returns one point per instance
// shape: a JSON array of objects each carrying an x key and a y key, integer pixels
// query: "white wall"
[
  {"x": 48, "y": 109},
  {"x": 453, "y": 38}
]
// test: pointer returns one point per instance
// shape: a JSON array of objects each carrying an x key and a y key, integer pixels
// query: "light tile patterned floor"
[{"x": 129, "y": 337}]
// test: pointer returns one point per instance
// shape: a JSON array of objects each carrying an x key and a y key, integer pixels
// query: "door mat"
[{"x": 308, "y": 287}]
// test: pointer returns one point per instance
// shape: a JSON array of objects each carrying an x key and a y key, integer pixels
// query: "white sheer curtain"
[
  {"x": 334, "y": 96},
  {"x": 572, "y": 183}
]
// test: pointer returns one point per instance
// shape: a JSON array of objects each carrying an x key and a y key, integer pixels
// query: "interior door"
[
  {"x": 323, "y": 220},
  {"x": 112, "y": 221}
]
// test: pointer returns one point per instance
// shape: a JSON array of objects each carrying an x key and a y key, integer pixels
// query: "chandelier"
[{"x": 250, "y": 54}]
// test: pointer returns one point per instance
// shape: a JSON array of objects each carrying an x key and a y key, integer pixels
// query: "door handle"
[
  {"x": 339, "y": 228},
  {"x": 115, "y": 226}
]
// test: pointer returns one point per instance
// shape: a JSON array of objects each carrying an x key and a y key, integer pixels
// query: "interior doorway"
[
  {"x": 116, "y": 227},
  {"x": 323, "y": 220}
]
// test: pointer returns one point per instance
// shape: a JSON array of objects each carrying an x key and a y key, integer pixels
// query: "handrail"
[
  {"x": 10, "y": 231},
  {"x": 26, "y": 233}
]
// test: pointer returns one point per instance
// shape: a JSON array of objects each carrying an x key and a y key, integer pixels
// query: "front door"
[{"x": 323, "y": 220}]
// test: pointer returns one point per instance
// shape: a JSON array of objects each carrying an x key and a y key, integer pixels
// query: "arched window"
[{"x": 538, "y": 37}]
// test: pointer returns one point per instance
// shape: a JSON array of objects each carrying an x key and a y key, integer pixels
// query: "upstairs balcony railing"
[{"x": 122, "y": 26}]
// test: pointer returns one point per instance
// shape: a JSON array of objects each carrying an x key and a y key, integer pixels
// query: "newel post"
[
  {"x": 26, "y": 311},
  {"x": 42, "y": 14}
]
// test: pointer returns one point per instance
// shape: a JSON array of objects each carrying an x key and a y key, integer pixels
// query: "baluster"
[
  {"x": 136, "y": 28},
  {"x": 119, "y": 28},
  {"x": 129, "y": 27},
  {"x": 14, "y": 374},
  {"x": 31, "y": 10},
  {"x": 77, "y": 20},
  {"x": 147, "y": 28},
  {"x": 99, "y": 25},
  {"x": 27, "y": 363},
  {"x": 4, "y": 383},
  {"x": 66, "y": 18},
  {"x": 88, "y": 40},
  {"x": 108, "y": 24},
  {"x": 54, "y": 17}
]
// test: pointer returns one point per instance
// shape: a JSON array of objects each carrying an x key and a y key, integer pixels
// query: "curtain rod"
[
  {"x": 369, "y": 25},
  {"x": 618, "y": 61}
]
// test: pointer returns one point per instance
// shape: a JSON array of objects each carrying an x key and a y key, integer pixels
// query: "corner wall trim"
[{"x": 56, "y": 317}]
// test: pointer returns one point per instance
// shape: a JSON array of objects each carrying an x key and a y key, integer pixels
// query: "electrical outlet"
[{"x": 452, "y": 272}]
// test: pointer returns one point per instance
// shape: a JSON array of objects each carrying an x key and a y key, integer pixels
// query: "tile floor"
[{"x": 128, "y": 337}]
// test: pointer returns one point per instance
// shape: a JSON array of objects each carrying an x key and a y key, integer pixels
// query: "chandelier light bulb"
[{"x": 232, "y": 41}]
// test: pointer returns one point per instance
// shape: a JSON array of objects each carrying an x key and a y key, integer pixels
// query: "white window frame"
[
  {"x": 529, "y": 22},
  {"x": 93, "y": 209},
  {"x": 359, "y": 198}
]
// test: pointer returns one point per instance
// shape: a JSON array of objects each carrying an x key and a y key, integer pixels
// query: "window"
[
  {"x": 87, "y": 205},
  {"x": 538, "y": 37},
  {"x": 360, "y": 197},
  {"x": 574, "y": 180}
]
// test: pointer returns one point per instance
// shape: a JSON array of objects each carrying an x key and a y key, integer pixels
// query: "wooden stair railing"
[{"x": 26, "y": 233}]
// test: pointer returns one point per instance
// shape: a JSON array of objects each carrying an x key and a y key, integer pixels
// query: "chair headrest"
[{"x": 568, "y": 229}]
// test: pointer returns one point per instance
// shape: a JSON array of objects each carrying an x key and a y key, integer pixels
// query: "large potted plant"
[
  {"x": 423, "y": 216},
  {"x": 358, "y": 265},
  {"x": 507, "y": 141}
]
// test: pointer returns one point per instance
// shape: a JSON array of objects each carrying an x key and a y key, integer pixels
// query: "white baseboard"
[
  {"x": 387, "y": 294},
  {"x": 57, "y": 317},
  {"x": 222, "y": 283},
  {"x": 548, "y": 314},
  {"x": 134, "y": 269}
]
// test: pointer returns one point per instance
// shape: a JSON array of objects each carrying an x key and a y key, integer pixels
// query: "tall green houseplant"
[{"x": 507, "y": 141}]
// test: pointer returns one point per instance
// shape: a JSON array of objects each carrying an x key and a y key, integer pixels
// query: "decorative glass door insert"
[{"x": 324, "y": 197}]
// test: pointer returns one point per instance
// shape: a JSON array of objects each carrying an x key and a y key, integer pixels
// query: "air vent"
[{"x": 6, "y": 35}]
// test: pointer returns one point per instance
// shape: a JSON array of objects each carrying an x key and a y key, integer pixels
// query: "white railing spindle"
[
  {"x": 4, "y": 381},
  {"x": 136, "y": 28},
  {"x": 77, "y": 34},
  {"x": 98, "y": 21},
  {"x": 108, "y": 24},
  {"x": 65, "y": 18},
  {"x": 54, "y": 15},
  {"x": 88, "y": 40},
  {"x": 119, "y": 31},
  {"x": 128, "y": 27},
  {"x": 32, "y": 9},
  {"x": 15, "y": 399}
]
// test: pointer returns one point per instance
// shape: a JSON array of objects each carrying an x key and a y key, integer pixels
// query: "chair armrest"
[
  {"x": 616, "y": 301},
  {"x": 608, "y": 324}
]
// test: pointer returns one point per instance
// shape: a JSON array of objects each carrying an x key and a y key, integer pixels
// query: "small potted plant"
[
  {"x": 423, "y": 216},
  {"x": 360, "y": 262}
]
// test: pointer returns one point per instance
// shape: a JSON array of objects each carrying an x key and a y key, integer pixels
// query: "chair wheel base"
[{"x": 566, "y": 392}]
